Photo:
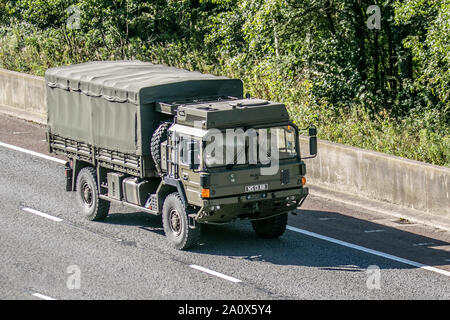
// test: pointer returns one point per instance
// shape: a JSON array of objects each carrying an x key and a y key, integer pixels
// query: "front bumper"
[{"x": 256, "y": 205}]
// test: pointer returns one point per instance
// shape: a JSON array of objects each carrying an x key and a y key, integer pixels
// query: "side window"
[
  {"x": 186, "y": 145},
  {"x": 184, "y": 154}
]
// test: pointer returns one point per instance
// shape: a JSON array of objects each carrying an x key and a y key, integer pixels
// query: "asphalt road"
[{"x": 331, "y": 250}]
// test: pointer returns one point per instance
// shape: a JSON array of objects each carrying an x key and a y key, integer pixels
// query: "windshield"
[{"x": 253, "y": 146}]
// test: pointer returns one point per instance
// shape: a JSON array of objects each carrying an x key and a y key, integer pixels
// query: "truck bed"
[{"x": 111, "y": 159}]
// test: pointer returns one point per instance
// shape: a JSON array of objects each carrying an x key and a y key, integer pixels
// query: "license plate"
[{"x": 256, "y": 187}]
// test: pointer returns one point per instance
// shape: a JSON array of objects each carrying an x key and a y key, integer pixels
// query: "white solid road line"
[
  {"x": 371, "y": 251},
  {"x": 42, "y": 214},
  {"x": 214, "y": 273},
  {"x": 41, "y": 296},
  {"x": 37, "y": 154}
]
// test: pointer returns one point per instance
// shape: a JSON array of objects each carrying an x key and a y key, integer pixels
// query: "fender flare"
[{"x": 179, "y": 186}]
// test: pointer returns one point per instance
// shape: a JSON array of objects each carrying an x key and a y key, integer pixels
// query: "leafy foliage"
[{"x": 383, "y": 89}]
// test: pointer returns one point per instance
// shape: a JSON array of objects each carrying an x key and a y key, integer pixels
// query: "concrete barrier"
[
  {"x": 24, "y": 94},
  {"x": 373, "y": 175},
  {"x": 378, "y": 176}
]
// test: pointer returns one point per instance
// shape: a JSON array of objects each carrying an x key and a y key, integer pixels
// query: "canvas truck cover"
[{"x": 111, "y": 104}]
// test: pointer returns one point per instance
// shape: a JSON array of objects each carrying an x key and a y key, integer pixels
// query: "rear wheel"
[
  {"x": 176, "y": 224},
  {"x": 93, "y": 207},
  {"x": 270, "y": 228}
]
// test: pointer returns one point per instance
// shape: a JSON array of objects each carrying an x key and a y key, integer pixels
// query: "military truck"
[{"x": 137, "y": 134}]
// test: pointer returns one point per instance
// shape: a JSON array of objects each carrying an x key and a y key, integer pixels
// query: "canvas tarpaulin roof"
[
  {"x": 140, "y": 82},
  {"x": 110, "y": 104}
]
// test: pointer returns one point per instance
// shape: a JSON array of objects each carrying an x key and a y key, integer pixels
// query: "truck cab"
[{"x": 236, "y": 159}]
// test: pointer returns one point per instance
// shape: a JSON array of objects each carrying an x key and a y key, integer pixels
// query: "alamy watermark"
[
  {"x": 74, "y": 20},
  {"x": 237, "y": 146},
  {"x": 374, "y": 19},
  {"x": 264, "y": 147},
  {"x": 74, "y": 278},
  {"x": 373, "y": 281}
]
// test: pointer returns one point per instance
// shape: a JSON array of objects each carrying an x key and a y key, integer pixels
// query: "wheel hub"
[
  {"x": 175, "y": 221},
  {"x": 87, "y": 194}
]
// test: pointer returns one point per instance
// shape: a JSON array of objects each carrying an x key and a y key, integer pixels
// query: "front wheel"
[
  {"x": 270, "y": 228},
  {"x": 176, "y": 224}
]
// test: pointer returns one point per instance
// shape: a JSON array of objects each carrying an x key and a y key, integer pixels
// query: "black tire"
[
  {"x": 93, "y": 208},
  {"x": 270, "y": 228},
  {"x": 175, "y": 223},
  {"x": 159, "y": 136}
]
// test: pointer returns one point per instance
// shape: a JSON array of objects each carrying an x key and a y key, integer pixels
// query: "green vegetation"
[{"x": 384, "y": 89}]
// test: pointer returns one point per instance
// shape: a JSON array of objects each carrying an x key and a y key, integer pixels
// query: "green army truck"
[{"x": 149, "y": 136}]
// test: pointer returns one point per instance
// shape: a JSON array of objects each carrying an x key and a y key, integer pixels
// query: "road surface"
[{"x": 331, "y": 250}]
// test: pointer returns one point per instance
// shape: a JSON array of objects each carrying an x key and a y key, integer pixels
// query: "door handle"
[{"x": 185, "y": 176}]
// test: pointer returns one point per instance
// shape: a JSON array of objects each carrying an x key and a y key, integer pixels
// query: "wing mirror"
[
  {"x": 312, "y": 132},
  {"x": 312, "y": 141}
]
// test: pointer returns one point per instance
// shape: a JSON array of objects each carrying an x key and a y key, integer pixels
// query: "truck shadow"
[
  {"x": 142, "y": 220},
  {"x": 238, "y": 241}
]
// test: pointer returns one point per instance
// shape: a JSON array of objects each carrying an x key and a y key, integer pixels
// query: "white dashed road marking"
[
  {"x": 41, "y": 296},
  {"x": 42, "y": 214},
  {"x": 214, "y": 273}
]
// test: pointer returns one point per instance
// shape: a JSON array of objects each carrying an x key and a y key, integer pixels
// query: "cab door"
[{"x": 189, "y": 164}]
